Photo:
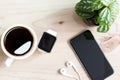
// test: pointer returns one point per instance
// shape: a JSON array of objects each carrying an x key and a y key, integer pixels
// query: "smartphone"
[
  {"x": 47, "y": 41},
  {"x": 91, "y": 56}
]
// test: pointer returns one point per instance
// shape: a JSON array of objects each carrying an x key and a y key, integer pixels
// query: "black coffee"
[{"x": 15, "y": 38}]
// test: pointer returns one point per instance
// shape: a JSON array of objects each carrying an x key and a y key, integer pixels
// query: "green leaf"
[
  {"x": 103, "y": 27},
  {"x": 104, "y": 15},
  {"x": 107, "y": 16},
  {"x": 96, "y": 5},
  {"x": 84, "y": 6},
  {"x": 107, "y": 2},
  {"x": 85, "y": 15},
  {"x": 104, "y": 20},
  {"x": 114, "y": 8}
]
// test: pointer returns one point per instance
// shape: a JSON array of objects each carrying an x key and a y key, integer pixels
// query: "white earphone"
[
  {"x": 63, "y": 72},
  {"x": 70, "y": 64}
]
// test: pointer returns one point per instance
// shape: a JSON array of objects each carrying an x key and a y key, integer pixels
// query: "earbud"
[
  {"x": 70, "y": 64},
  {"x": 63, "y": 72}
]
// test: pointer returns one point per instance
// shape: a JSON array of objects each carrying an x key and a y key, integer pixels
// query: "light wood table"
[{"x": 42, "y": 15}]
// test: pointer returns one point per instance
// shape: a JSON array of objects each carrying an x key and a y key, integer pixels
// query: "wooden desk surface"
[{"x": 41, "y": 15}]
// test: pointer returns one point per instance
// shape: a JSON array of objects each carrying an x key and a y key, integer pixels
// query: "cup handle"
[{"x": 9, "y": 61}]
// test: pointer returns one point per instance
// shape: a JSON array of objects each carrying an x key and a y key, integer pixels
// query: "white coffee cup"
[{"x": 11, "y": 57}]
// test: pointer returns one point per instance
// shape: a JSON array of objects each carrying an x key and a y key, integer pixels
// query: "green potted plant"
[{"x": 98, "y": 12}]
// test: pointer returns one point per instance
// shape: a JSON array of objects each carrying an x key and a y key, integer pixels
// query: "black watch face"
[{"x": 47, "y": 41}]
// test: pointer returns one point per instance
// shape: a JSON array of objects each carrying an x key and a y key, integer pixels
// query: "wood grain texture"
[{"x": 41, "y": 15}]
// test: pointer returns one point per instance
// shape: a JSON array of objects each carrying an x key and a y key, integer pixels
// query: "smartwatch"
[{"x": 47, "y": 41}]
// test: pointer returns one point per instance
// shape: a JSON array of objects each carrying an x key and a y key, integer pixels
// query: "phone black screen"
[
  {"x": 91, "y": 56},
  {"x": 47, "y": 41}
]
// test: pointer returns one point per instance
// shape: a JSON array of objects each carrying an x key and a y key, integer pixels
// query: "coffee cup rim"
[{"x": 29, "y": 53}]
